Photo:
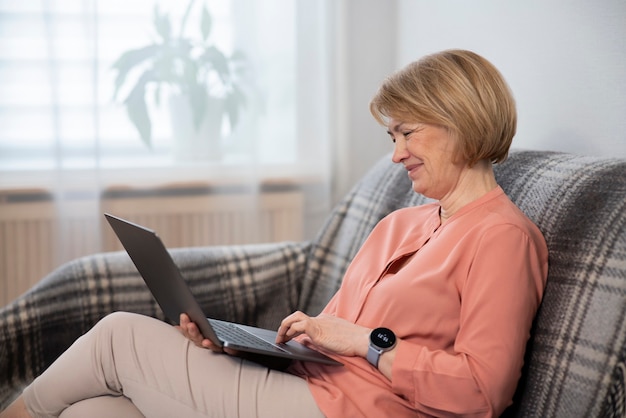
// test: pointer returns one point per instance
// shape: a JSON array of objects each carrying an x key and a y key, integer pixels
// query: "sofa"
[{"x": 575, "y": 363}]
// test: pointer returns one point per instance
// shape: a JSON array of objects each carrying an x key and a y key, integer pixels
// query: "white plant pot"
[{"x": 190, "y": 144}]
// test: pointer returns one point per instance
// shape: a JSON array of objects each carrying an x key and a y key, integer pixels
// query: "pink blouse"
[{"x": 462, "y": 309}]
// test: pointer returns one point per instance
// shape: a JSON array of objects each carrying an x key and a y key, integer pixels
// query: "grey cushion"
[{"x": 577, "y": 349}]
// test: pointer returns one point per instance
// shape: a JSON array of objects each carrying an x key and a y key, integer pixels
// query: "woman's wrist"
[{"x": 385, "y": 363}]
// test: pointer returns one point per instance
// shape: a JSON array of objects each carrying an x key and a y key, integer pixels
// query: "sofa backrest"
[{"x": 576, "y": 352}]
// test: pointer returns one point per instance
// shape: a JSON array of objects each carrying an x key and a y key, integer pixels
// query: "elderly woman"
[{"x": 433, "y": 314}]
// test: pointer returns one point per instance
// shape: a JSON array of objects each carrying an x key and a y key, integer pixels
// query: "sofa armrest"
[{"x": 252, "y": 284}]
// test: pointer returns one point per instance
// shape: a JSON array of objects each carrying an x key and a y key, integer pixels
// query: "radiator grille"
[{"x": 31, "y": 232}]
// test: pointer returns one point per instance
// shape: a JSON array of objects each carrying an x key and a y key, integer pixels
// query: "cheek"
[{"x": 441, "y": 172}]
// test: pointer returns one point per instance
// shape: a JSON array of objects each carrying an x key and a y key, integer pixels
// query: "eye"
[{"x": 407, "y": 133}]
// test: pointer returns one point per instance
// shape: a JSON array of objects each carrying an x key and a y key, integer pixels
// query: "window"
[{"x": 57, "y": 83}]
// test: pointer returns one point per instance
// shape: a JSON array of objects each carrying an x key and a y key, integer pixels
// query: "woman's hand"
[
  {"x": 328, "y": 332},
  {"x": 190, "y": 330}
]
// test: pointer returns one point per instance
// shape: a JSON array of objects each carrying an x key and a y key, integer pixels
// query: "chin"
[{"x": 418, "y": 189}]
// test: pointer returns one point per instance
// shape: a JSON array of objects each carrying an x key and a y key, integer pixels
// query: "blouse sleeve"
[{"x": 500, "y": 295}]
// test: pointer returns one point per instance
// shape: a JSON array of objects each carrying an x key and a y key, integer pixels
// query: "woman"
[{"x": 433, "y": 314}]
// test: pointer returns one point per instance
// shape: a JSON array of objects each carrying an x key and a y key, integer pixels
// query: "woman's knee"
[
  {"x": 119, "y": 318},
  {"x": 118, "y": 324},
  {"x": 102, "y": 407},
  {"x": 137, "y": 329}
]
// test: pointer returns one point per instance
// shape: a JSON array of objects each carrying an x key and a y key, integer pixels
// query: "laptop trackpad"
[{"x": 270, "y": 336}]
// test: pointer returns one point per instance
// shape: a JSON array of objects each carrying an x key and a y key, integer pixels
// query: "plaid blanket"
[{"x": 576, "y": 357}]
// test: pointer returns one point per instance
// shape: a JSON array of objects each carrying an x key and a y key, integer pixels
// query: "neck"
[{"x": 474, "y": 182}]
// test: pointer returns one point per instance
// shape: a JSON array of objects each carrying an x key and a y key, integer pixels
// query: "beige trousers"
[{"x": 131, "y": 365}]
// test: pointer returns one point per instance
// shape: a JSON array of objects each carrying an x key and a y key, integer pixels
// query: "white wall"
[
  {"x": 365, "y": 52},
  {"x": 565, "y": 61}
]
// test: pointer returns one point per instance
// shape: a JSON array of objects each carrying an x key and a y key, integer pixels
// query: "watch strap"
[{"x": 373, "y": 355}]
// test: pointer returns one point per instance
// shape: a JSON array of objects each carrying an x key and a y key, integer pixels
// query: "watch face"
[{"x": 383, "y": 338}]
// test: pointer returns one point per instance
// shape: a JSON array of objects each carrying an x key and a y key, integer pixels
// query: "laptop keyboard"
[{"x": 227, "y": 331}]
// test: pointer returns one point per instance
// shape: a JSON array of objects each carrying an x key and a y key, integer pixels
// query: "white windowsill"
[{"x": 216, "y": 173}]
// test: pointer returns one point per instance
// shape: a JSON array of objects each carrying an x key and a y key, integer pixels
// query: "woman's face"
[{"x": 428, "y": 154}]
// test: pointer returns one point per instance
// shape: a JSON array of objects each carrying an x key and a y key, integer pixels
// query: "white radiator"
[{"x": 34, "y": 240}]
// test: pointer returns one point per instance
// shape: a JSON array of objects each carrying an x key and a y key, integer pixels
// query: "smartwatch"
[{"x": 381, "y": 340}]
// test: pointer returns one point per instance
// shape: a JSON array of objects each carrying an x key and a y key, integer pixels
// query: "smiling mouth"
[{"x": 412, "y": 167}]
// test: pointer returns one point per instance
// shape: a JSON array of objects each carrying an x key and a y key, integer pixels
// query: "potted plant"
[{"x": 194, "y": 70}]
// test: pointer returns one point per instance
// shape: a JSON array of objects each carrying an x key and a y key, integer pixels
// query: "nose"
[{"x": 400, "y": 151}]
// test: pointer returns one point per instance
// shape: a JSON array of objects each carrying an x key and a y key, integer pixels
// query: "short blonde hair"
[{"x": 459, "y": 90}]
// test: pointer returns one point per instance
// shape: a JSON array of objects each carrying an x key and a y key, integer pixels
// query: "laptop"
[{"x": 173, "y": 295}]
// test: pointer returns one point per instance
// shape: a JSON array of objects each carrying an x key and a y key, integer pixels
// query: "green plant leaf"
[
  {"x": 238, "y": 63},
  {"x": 238, "y": 57},
  {"x": 165, "y": 69},
  {"x": 218, "y": 61},
  {"x": 162, "y": 24},
  {"x": 206, "y": 23},
  {"x": 138, "y": 110},
  {"x": 157, "y": 95},
  {"x": 183, "y": 22},
  {"x": 130, "y": 59}
]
